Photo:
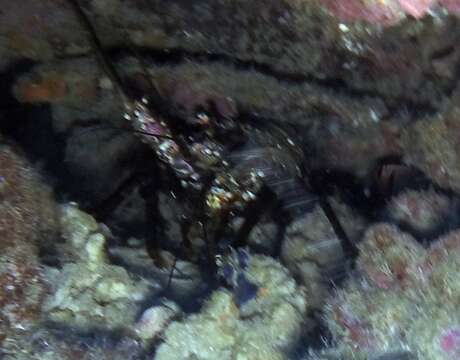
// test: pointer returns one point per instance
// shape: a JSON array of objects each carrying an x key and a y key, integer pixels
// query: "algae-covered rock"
[
  {"x": 104, "y": 297},
  {"x": 76, "y": 225},
  {"x": 435, "y": 332},
  {"x": 28, "y": 222},
  {"x": 310, "y": 38},
  {"x": 386, "y": 13},
  {"x": 422, "y": 212},
  {"x": 83, "y": 242},
  {"x": 370, "y": 322},
  {"x": 432, "y": 145},
  {"x": 184, "y": 281},
  {"x": 23, "y": 290},
  {"x": 406, "y": 302},
  {"x": 91, "y": 293},
  {"x": 353, "y": 86},
  {"x": 389, "y": 257},
  {"x": 154, "y": 320},
  {"x": 65, "y": 344},
  {"x": 28, "y": 212},
  {"x": 188, "y": 86},
  {"x": 263, "y": 328},
  {"x": 313, "y": 252},
  {"x": 48, "y": 28}
]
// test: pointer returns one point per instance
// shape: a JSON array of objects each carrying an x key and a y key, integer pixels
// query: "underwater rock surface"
[
  {"x": 313, "y": 252},
  {"x": 433, "y": 146},
  {"x": 369, "y": 91},
  {"x": 91, "y": 293},
  {"x": 421, "y": 212},
  {"x": 404, "y": 301},
  {"x": 351, "y": 85},
  {"x": 263, "y": 328},
  {"x": 28, "y": 213}
]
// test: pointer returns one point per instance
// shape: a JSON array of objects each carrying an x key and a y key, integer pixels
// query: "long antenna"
[
  {"x": 98, "y": 48},
  {"x": 107, "y": 66}
]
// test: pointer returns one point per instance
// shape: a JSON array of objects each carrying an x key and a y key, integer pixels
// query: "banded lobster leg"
[{"x": 276, "y": 162}]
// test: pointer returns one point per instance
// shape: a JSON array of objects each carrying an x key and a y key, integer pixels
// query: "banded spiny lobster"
[{"x": 224, "y": 166}]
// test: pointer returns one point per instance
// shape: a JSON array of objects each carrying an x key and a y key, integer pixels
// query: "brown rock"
[{"x": 27, "y": 216}]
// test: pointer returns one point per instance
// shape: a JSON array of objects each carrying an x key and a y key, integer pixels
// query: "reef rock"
[
  {"x": 405, "y": 301},
  {"x": 92, "y": 293},
  {"x": 312, "y": 251},
  {"x": 433, "y": 146},
  {"x": 28, "y": 221},
  {"x": 264, "y": 328}
]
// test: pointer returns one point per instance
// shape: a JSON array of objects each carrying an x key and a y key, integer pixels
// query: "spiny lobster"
[{"x": 226, "y": 166}]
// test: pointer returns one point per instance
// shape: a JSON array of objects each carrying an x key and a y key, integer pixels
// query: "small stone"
[
  {"x": 76, "y": 225},
  {"x": 105, "y": 83},
  {"x": 154, "y": 321},
  {"x": 95, "y": 249}
]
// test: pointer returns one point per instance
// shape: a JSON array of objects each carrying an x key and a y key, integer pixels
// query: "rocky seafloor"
[{"x": 369, "y": 88}]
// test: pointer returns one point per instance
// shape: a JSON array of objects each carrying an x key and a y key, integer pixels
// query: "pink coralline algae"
[
  {"x": 386, "y": 12},
  {"x": 416, "y": 8},
  {"x": 450, "y": 342},
  {"x": 407, "y": 298},
  {"x": 452, "y": 5},
  {"x": 373, "y": 11}
]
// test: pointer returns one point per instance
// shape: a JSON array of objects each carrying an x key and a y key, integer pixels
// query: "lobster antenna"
[
  {"x": 107, "y": 65},
  {"x": 142, "y": 64},
  {"x": 170, "y": 277},
  {"x": 98, "y": 48}
]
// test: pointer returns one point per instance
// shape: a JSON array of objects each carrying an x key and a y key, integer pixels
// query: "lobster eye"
[
  {"x": 203, "y": 118},
  {"x": 198, "y": 116}
]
